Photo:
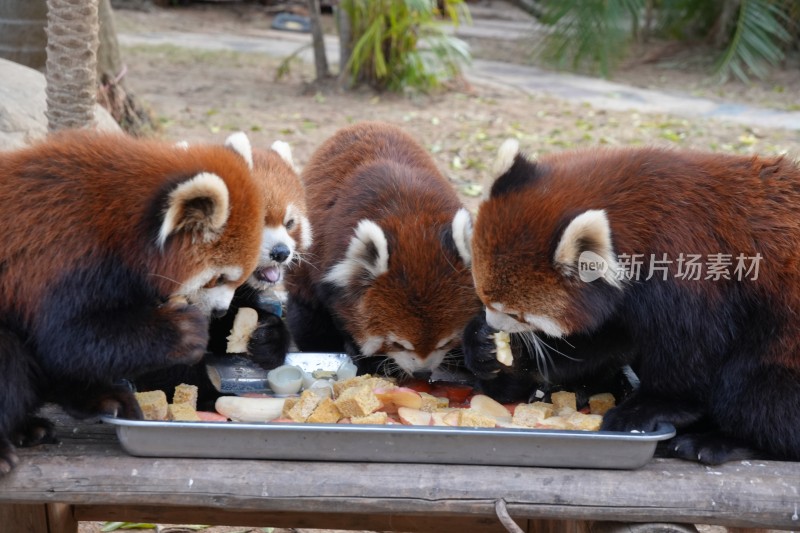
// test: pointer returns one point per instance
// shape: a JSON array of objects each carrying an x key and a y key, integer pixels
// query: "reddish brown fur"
[
  {"x": 282, "y": 186},
  {"x": 94, "y": 286},
  {"x": 376, "y": 171},
  {"x": 105, "y": 167},
  {"x": 703, "y": 348}
]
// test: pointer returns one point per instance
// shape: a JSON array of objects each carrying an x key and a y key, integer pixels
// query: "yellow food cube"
[
  {"x": 563, "y": 399},
  {"x": 153, "y": 404},
  {"x": 325, "y": 413},
  {"x": 357, "y": 401},
  {"x": 599, "y": 404}
]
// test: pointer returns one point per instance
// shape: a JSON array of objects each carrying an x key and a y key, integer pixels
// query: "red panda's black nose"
[
  {"x": 279, "y": 253},
  {"x": 218, "y": 313}
]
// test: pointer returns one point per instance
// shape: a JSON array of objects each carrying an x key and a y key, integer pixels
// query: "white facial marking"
[
  {"x": 503, "y": 322},
  {"x": 371, "y": 345},
  {"x": 209, "y": 299},
  {"x": 410, "y": 362}
]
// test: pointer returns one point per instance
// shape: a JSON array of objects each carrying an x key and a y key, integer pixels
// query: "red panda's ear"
[
  {"x": 588, "y": 238},
  {"x": 199, "y": 205},
  {"x": 462, "y": 235},
  {"x": 283, "y": 149},
  {"x": 367, "y": 256},
  {"x": 239, "y": 143},
  {"x": 502, "y": 163}
]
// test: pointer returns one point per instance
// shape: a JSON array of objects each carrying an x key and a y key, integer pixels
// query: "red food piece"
[
  {"x": 419, "y": 385},
  {"x": 209, "y": 416},
  {"x": 455, "y": 392}
]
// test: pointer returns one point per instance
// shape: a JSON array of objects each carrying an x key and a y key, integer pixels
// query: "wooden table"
[{"x": 89, "y": 477}]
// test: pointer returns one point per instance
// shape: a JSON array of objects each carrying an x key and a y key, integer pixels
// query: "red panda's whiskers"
[{"x": 175, "y": 281}]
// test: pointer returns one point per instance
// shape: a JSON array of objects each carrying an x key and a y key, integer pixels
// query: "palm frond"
[{"x": 757, "y": 42}]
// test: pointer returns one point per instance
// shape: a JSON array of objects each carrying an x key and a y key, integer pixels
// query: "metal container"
[{"x": 390, "y": 444}]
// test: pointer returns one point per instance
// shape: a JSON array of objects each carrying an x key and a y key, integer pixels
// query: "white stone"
[{"x": 23, "y": 104}]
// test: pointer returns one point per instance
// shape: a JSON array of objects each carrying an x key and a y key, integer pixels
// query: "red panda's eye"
[
  {"x": 397, "y": 347},
  {"x": 289, "y": 224},
  {"x": 216, "y": 282}
]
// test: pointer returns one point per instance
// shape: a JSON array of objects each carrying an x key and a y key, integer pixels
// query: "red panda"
[
  {"x": 115, "y": 253},
  {"x": 716, "y": 349},
  {"x": 285, "y": 236},
  {"x": 388, "y": 272}
]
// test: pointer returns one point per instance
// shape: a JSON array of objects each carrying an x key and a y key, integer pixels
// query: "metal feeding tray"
[
  {"x": 375, "y": 443},
  {"x": 390, "y": 444}
]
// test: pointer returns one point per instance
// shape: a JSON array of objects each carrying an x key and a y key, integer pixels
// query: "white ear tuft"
[
  {"x": 462, "y": 235},
  {"x": 588, "y": 233},
  {"x": 184, "y": 145},
  {"x": 505, "y": 157},
  {"x": 367, "y": 252},
  {"x": 199, "y": 205},
  {"x": 240, "y": 144},
  {"x": 285, "y": 151},
  {"x": 503, "y": 162}
]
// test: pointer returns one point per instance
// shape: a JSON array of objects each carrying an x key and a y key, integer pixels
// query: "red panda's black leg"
[
  {"x": 643, "y": 411},
  {"x": 759, "y": 404},
  {"x": 129, "y": 332},
  {"x": 312, "y": 327},
  {"x": 18, "y": 395},
  {"x": 115, "y": 400}
]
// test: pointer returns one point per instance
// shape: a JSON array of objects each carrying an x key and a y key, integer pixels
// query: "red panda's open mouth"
[{"x": 270, "y": 274}]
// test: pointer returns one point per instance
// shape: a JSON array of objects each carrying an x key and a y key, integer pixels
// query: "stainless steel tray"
[{"x": 390, "y": 444}]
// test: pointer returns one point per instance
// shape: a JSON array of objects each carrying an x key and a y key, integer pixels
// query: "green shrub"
[
  {"x": 752, "y": 35},
  {"x": 405, "y": 44}
]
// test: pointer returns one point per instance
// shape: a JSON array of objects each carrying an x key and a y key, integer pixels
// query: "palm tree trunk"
[{"x": 72, "y": 37}]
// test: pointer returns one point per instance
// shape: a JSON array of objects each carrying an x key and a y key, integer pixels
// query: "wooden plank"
[
  {"x": 60, "y": 518},
  {"x": 301, "y": 520},
  {"x": 89, "y": 468},
  {"x": 30, "y": 518}
]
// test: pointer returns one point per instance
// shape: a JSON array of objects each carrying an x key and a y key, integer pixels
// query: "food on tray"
[
  {"x": 563, "y": 400},
  {"x": 502, "y": 344},
  {"x": 153, "y": 404},
  {"x": 244, "y": 409},
  {"x": 244, "y": 324},
  {"x": 373, "y": 400},
  {"x": 357, "y": 401},
  {"x": 185, "y": 394},
  {"x": 183, "y": 407},
  {"x": 182, "y": 412},
  {"x": 599, "y": 404}
]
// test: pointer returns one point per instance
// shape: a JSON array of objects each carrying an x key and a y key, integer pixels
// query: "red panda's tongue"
[{"x": 271, "y": 274}]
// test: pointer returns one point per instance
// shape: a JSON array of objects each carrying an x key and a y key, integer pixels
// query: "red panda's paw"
[
  {"x": 479, "y": 349},
  {"x": 34, "y": 431},
  {"x": 269, "y": 342},
  {"x": 192, "y": 326},
  {"x": 644, "y": 413},
  {"x": 711, "y": 448},
  {"x": 116, "y": 401},
  {"x": 8, "y": 456}
]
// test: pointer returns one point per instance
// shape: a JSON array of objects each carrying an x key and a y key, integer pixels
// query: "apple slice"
[
  {"x": 452, "y": 418},
  {"x": 414, "y": 417},
  {"x": 397, "y": 397},
  {"x": 490, "y": 407}
]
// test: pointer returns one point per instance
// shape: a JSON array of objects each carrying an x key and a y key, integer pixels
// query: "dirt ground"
[{"x": 200, "y": 95}]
